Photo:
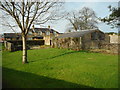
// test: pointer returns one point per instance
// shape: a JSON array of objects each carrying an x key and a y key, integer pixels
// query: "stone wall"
[
  {"x": 88, "y": 43},
  {"x": 79, "y": 43},
  {"x": 14, "y": 45},
  {"x": 47, "y": 39},
  {"x": 114, "y": 38},
  {"x": 112, "y": 47},
  {"x": 76, "y": 44},
  {"x": 68, "y": 43}
]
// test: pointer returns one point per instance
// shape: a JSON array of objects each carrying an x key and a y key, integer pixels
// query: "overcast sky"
[{"x": 99, "y": 7}]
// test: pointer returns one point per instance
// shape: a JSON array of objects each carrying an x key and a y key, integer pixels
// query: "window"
[
  {"x": 40, "y": 37},
  {"x": 47, "y": 33},
  {"x": 40, "y": 33}
]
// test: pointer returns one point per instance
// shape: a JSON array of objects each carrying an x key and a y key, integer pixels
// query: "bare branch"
[{"x": 84, "y": 19}]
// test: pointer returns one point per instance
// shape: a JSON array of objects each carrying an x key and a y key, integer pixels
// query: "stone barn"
[{"x": 81, "y": 40}]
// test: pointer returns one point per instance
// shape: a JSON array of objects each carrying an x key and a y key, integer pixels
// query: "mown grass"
[{"x": 60, "y": 68}]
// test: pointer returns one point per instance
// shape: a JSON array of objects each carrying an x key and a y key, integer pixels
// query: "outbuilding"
[{"x": 81, "y": 40}]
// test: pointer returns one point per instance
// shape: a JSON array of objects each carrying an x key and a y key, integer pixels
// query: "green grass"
[{"x": 60, "y": 68}]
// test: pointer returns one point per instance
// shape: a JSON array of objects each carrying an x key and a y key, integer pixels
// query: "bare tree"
[
  {"x": 72, "y": 17},
  {"x": 25, "y": 13},
  {"x": 83, "y": 19}
]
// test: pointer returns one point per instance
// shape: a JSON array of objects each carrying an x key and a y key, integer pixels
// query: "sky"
[
  {"x": 98, "y": 6},
  {"x": 100, "y": 9}
]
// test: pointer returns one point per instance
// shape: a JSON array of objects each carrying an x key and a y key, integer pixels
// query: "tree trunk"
[{"x": 24, "y": 57}]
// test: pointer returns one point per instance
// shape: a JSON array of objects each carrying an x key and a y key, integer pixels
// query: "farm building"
[
  {"x": 114, "y": 37},
  {"x": 42, "y": 33},
  {"x": 12, "y": 36},
  {"x": 35, "y": 38},
  {"x": 45, "y": 34},
  {"x": 81, "y": 40}
]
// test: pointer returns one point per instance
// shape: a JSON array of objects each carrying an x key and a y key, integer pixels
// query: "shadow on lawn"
[
  {"x": 63, "y": 54},
  {"x": 18, "y": 79},
  {"x": 66, "y": 53}
]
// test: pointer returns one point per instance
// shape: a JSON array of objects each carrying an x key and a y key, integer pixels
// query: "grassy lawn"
[{"x": 60, "y": 68}]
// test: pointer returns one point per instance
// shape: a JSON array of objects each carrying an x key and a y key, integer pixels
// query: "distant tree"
[
  {"x": 83, "y": 19},
  {"x": 69, "y": 28},
  {"x": 113, "y": 18},
  {"x": 24, "y": 13}
]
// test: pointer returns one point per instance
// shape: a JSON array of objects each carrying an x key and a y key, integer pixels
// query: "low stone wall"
[
  {"x": 112, "y": 47},
  {"x": 68, "y": 43},
  {"x": 14, "y": 45},
  {"x": 76, "y": 44}
]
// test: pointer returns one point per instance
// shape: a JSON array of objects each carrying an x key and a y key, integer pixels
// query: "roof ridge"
[
  {"x": 82, "y": 31},
  {"x": 76, "y": 34}
]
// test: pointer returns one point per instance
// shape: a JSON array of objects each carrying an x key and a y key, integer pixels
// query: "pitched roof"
[
  {"x": 44, "y": 30},
  {"x": 12, "y": 35},
  {"x": 76, "y": 34}
]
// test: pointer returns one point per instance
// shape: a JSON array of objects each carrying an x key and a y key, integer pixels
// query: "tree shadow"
[
  {"x": 67, "y": 53},
  {"x": 63, "y": 54},
  {"x": 18, "y": 79}
]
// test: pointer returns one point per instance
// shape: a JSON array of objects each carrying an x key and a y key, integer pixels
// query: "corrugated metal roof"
[{"x": 76, "y": 34}]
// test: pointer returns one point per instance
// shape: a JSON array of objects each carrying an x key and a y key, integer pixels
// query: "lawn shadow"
[
  {"x": 63, "y": 54},
  {"x": 19, "y": 79},
  {"x": 67, "y": 53}
]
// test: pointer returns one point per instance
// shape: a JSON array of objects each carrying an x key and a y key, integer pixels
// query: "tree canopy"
[{"x": 113, "y": 18}]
